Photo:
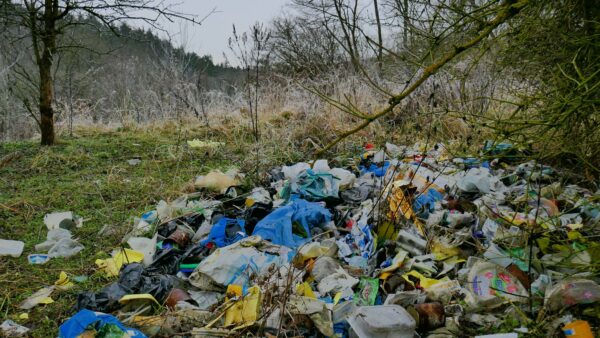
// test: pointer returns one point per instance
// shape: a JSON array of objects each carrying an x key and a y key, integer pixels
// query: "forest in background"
[{"x": 524, "y": 72}]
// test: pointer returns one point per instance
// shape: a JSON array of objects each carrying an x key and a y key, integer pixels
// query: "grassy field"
[{"x": 89, "y": 175}]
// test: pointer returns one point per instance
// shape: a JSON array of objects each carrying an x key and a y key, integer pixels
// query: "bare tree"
[
  {"x": 303, "y": 47},
  {"x": 379, "y": 35},
  {"x": 44, "y": 22},
  {"x": 446, "y": 29},
  {"x": 252, "y": 53}
]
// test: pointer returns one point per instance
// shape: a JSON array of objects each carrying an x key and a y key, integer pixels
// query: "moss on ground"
[{"x": 90, "y": 176}]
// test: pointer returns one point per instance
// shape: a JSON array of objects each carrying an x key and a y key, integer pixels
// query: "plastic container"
[
  {"x": 342, "y": 311},
  {"x": 386, "y": 321},
  {"x": 11, "y": 248},
  {"x": 578, "y": 329}
]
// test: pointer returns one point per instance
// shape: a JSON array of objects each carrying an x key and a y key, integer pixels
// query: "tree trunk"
[
  {"x": 406, "y": 23},
  {"x": 45, "y": 68},
  {"x": 379, "y": 37},
  {"x": 46, "y": 94}
]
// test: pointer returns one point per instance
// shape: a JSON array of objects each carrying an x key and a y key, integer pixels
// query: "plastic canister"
[{"x": 386, "y": 321}]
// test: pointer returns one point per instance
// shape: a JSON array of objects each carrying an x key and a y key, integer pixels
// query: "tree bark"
[
  {"x": 46, "y": 110},
  {"x": 379, "y": 37},
  {"x": 45, "y": 67},
  {"x": 406, "y": 22}
]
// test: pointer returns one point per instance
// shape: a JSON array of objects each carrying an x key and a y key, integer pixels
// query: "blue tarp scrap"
[
  {"x": 291, "y": 225},
  {"x": 225, "y": 232},
  {"x": 85, "y": 319}
]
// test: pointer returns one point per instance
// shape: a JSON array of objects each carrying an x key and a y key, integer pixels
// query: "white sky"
[{"x": 211, "y": 37}]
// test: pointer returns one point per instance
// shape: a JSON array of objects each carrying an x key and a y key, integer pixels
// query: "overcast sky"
[{"x": 211, "y": 37}]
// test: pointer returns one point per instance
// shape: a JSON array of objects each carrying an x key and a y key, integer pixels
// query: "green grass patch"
[{"x": 90, "y": 176}]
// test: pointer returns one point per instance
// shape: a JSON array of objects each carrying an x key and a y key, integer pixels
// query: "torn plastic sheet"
[
  {"x": 361, "y": 238},
  {"x": 59, "y": 244},
  {"x": 62, "y": 220},
  {"x": 292, "y": 172},
  {"x": 572, "y": 291},
  {"x": 206, "y": 299},
  {"x": 479, "y": 180},
  {"x": 11, "y": 329},
  {"x": 147, "y": 246},
  {"x": 42, "y": 296},
  {"x": 346, "y": 177},
  {"x": 331, "y": 277},
  {"x": 315, "y": 309}
]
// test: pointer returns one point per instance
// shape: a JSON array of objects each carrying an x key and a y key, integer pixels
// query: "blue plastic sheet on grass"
[
  {"x": 225, "y": 232},
  {"x": 375, "y": 169},
  {"x": 291, "y": 225},
  {"x": 84, "y": 319}
]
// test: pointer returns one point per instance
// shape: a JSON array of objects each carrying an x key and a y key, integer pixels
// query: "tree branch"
[{"x": 509, "y": 9}]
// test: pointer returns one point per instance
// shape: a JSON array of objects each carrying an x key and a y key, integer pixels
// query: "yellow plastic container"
[{"x": 578, "y": 329}]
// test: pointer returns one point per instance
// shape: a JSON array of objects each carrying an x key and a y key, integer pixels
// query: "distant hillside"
[
  {"x": 130, "y": 42},
  {"x": 106, "y": 76}
]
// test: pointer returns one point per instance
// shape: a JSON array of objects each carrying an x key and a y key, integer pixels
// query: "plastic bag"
[
  {"x": 572, "y": 291},
  {"x": 225, "y": 232},
  {"x": 101, "y": 322},
  {"x": 315, "y": 186},
  {"x": 217, "y": 181},
  {"x": 346, "y": 177},
  {"x": 133, "y": 279},
  {"x": 65, "y": 248},
  {"x": 291, "y": 225},
  {"x": 233, "y": 264},
  {"x": 292, "y": 172},
  {"x": 367, "y": 291}
]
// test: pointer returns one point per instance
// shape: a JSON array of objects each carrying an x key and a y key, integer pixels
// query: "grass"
[{"x": 89, "y": 175}]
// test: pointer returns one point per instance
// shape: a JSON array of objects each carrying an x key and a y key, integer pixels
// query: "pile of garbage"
[{"x": 402, "y": 242}]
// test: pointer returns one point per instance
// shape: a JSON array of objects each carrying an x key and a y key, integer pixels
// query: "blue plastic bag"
[
  {"x": 425, "y": 202},
  {"x": 83, "y": 319},
  {"x": 291, "y": 225},
  {"x": 219, "y": 234},
  {"x": 373, "y": 168}
]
